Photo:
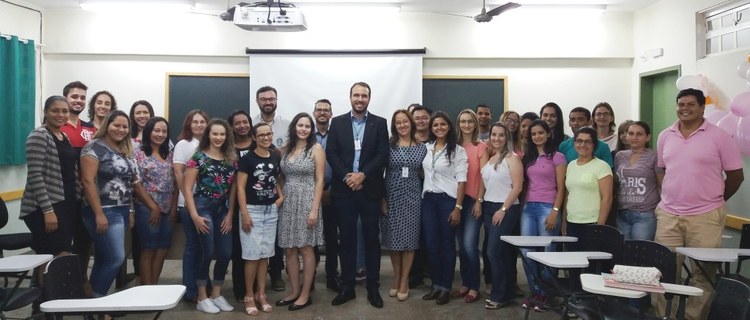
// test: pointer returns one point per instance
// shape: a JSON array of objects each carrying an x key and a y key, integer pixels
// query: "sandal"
[
  {"x": 471, "y": 298},
  {"x": 458, "y": 293},
  {"x": 253, "y": 310},
  {"x": 265, "y": 306}
]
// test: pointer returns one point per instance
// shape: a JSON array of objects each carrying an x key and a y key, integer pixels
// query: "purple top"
[
  {"x": 542, "y": 178},
  {"x": 637, "y": 188},
  {"x": 157, "y": 178}
]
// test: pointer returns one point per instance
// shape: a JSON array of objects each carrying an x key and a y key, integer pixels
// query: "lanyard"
[{"x": 436, "y": 157}]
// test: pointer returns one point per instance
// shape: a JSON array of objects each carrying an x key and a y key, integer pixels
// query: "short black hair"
[
  {"x": 591, "y": 132},
  {"x": 421, "y": 107},
  {"x": 692, "y": 92},
  {"x": 264, "y": 89},
  {"x": 585, "y": 111}
]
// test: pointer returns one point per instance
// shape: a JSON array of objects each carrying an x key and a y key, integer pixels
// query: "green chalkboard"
[
  {"x": 217, "y": 94},
  {"x": 455, "y": 93},
  {"x": 220, "y": 94}
]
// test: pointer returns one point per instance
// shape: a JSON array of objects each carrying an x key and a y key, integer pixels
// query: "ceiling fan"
[{"x": 485, "y": 15}]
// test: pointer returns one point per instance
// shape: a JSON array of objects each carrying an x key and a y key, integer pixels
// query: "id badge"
[
  {"x": 357, "y": 145},
  {"x": 404, "y": 172}
]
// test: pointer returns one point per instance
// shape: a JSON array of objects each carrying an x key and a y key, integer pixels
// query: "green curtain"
[{"x": 17, "y": 92}]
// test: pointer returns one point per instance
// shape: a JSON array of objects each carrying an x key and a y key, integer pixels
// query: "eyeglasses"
[
  {"x": 511, "y": 121},
  {"x": 265, "y": 135},
  {"x": 322, "y": 110},
  {"x": 267, "y": 99},
  {"x": 583, "y": 142},
  {"x": 602, "y": 114}
]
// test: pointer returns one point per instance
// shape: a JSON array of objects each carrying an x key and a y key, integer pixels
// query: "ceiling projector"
[{"x": 266, "y": 16}]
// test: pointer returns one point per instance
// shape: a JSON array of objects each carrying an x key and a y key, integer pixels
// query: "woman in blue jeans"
[
  {"x": 471, "y": 214},
  {"x": 154, "y": 161},
  {"x": 545, "y": 190},
  {"x": 442, "y": 195},
  {"x": 502, "y": 177},
  {"x": 639, "y": 183},
  {"x": 109, "y": 178},
  {"x": 212, "y": 170},
  {"x": 193, "y": 128}
]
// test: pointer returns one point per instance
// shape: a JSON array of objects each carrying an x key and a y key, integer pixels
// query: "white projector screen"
[{"x": 302, "y": 79}]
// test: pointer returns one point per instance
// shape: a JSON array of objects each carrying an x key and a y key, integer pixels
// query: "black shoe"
[
  {"x": 343, "y": 296},
  {"x": 374, "y": 297},
  {"x": 443, "y": 298},
  {"x": 432, "y": 295},
  {"x": 283, "y": 302},
  {"x": 333, "y": 285},
  {"x": 295, "y": 307}
]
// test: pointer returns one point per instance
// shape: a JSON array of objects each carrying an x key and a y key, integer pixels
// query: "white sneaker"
[
  {"x": 222, "y": 304},
  {"x": 206, "y": 306}
]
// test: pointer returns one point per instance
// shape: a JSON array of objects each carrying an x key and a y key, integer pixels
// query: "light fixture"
[
  {"x": 342, "y": 6},
  {"x": 566, "y": 8},
  {"x": 137, "y": 5}
]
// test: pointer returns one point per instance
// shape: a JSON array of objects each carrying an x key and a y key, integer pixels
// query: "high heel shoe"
[
  {"x": 253, "y": 309},
  {"x": 402, "y": 296},
  {"x": 264, "y": 305},
  {"x": 295, "y": 307},
  {"x": 392, "y": 293}
]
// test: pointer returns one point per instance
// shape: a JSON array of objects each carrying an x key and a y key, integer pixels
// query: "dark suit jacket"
[{"x": 372, "y": 159}]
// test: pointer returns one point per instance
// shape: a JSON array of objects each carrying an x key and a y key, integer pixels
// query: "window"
[{"x": 726, "y": 27}]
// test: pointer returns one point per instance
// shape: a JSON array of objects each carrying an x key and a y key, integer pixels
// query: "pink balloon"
[
  {"x": 729, "y": 123},
  {"x": 742, "y": 136},
  {"x": 740, "y": 104},
  {"x": 714, "y": 116}
]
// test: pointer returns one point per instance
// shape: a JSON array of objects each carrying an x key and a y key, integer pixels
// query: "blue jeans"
[
  {"x": 109, "y": 252},
  {"x": 468, "y": 242},
  {"x": 501, "y": 254},
  {"x": 189, "y": 254},
  {"x": 532, "y": 224},
  {"x": 213, "y": 242},
  {"x": 637, "y": 225},
  {"x": 439, "y": 238},
  {"x": 152, "y": 236}
]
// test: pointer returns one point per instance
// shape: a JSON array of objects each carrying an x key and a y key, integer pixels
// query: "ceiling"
[{"x": 450, "y": 6}]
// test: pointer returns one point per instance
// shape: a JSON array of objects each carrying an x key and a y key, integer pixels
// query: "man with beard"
[
  {"x": 484, "y": 117},
  {"x": 79, "y": 134},
  {"x": 357, "y": 150},
  {"x": 266, "y": 99},
  {"x": 323, "y": 114}
]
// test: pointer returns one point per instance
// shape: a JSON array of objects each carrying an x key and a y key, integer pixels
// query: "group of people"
[{"x": 244, "y": 188}]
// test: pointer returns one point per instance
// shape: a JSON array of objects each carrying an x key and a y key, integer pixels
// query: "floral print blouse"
[
  {"x": 157, "y": 178},
  {"x": 215, "y": 177}
]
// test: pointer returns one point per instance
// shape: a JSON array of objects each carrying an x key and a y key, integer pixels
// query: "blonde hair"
[
  {"x": 475, "y": 134},
  {"x": 506, "y": 150},
  {"x": 124, "y": 146},
  {"x": 515, "y": 137}
]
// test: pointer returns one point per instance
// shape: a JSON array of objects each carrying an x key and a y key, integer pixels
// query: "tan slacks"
[{"x": 702, "y": 230}]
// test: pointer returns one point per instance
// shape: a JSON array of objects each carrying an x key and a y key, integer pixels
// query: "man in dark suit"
[{"x": 357, "y": 151}]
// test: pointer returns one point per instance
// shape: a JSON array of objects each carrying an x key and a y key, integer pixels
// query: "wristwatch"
[
  {"x": 556, "y": 209},
  {"x": 503, "y": 209},
  {"x": 460, "y": 207}
]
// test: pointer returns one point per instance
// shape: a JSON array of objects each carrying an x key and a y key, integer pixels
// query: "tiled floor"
[{"x": 359, "y": 309}]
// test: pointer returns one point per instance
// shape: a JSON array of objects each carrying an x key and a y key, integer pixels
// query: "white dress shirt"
[{"x": 439, "y": 174}]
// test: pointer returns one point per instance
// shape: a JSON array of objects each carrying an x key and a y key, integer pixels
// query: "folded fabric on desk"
[{"x": 637, "y": 275}]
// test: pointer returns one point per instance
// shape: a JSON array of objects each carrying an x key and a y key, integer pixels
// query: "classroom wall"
[
  {"x": 671, "y": 24},
  {"x": 24, "y": 24}
]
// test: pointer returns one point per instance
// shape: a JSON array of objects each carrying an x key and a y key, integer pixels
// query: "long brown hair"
[
  {"x": 187, "y": 133},
  {"x": 227, "y": 148},
  {"x": 124, "y": 146}
]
